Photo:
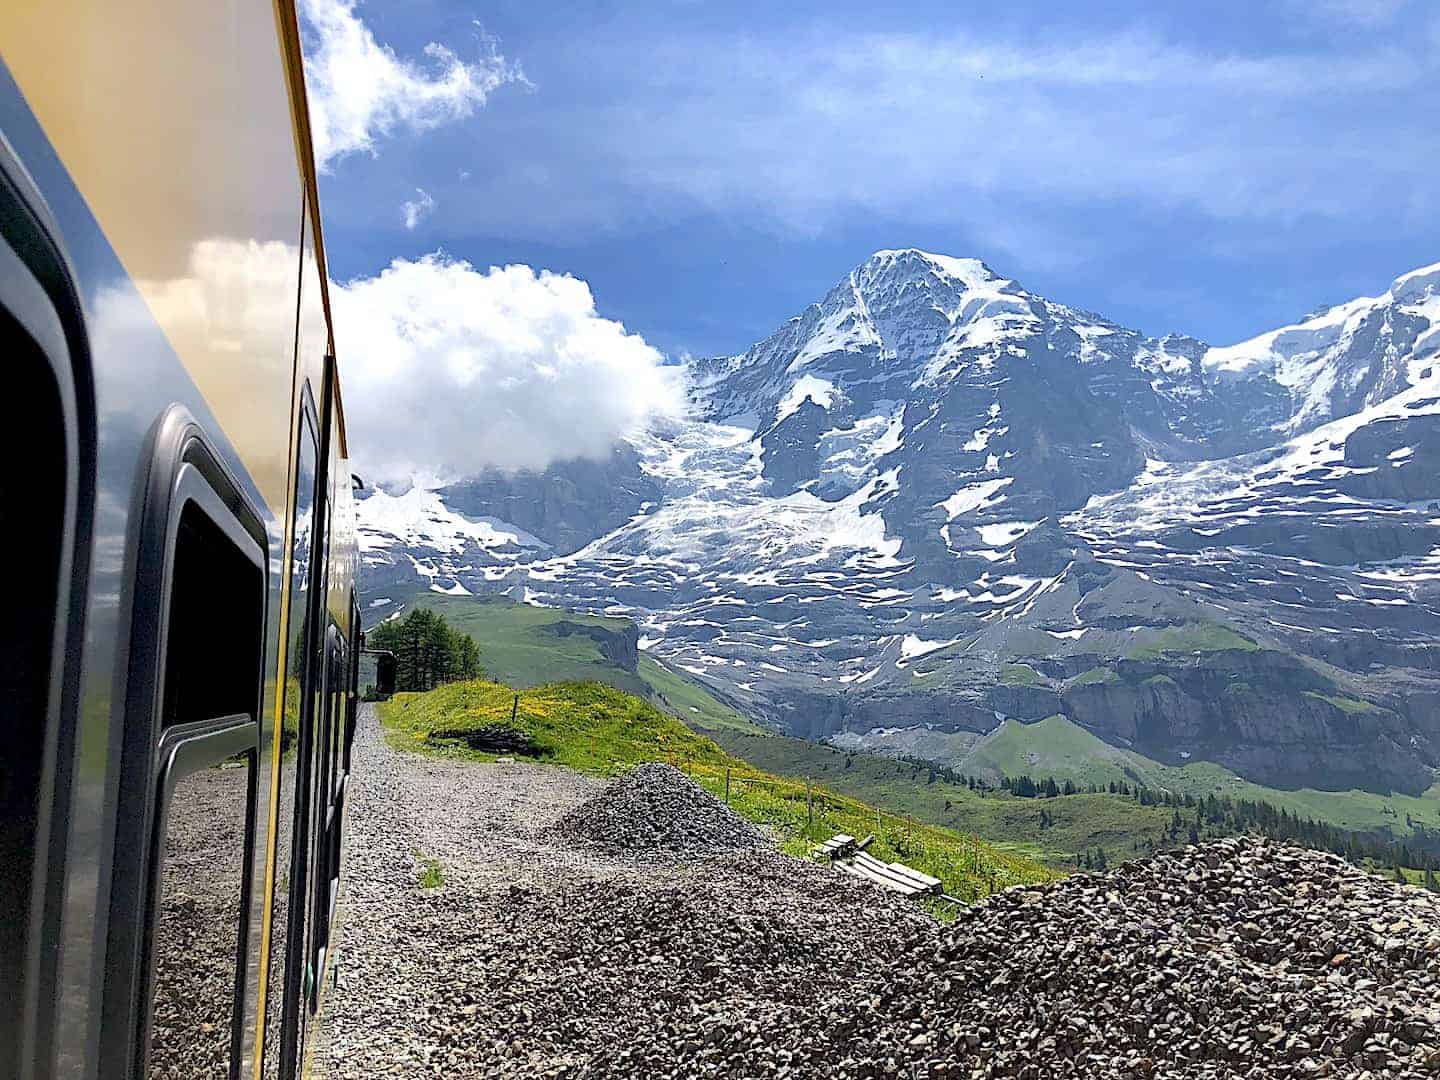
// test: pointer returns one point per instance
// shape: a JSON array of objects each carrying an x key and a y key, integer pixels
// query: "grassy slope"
[
  {"x": 1081, "y": 822},
  {"x": 1056, "y": 747},
  {"x": 515, "y": 649},
  {"x": 1193, "y": 637},
  {"x": 595, "y": 728},
  {"x": 689, "y": 700}
]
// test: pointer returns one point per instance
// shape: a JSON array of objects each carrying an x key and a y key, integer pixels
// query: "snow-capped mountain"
[{"x": 934, "y": 500}]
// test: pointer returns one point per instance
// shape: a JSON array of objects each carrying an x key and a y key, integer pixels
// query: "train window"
[
  {"x": 339, "y": 698},
  {"x": 198, "y": 927},
  {"x": 328, "y": 806},
  {"x": 213, "y": 650},
  {"x": 180, "y": 901},
  {"x": 352, "y": 687},
  {"x": 289, "y": 875}
]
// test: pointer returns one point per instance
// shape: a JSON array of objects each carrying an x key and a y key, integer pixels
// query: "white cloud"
[
  {"x": 961, "y": 127},
  {"x": 449, "y": 370},
  {"x": 416, "y": 210},
  {"x": 359, "y": 90}
]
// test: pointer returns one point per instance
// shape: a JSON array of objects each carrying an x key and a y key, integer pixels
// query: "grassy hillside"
[
  {"x": 519, "y": 647},
  {"x": 1073, "y": 823},
  {"x": 596, "y": 728},
  {"x": 1056, "y": 747}
]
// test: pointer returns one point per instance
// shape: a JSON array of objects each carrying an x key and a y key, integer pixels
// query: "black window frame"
[{"x": 325, "y": 849}]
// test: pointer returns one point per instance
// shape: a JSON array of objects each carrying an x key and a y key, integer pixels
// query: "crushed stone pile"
[
  {"x": 1239, "y": 958},
  {"x": 656, "y": 807}
]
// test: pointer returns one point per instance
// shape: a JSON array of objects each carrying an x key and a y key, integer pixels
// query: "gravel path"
[
  {"x": 545, "y": 956},
  {"x": 530, "y": 959}
]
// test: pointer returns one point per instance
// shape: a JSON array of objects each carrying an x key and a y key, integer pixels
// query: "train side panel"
[{"x": 176, "y": 179}]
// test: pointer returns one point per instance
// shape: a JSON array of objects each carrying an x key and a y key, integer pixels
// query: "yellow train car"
[{"x": 182, "y": 635}]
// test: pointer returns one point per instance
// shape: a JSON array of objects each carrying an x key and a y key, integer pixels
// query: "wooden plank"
[
  {"x": 879, "y": 871},
  {"x": 867, "y": 873},
  {"x": 916, "y": 880},
  {"x": 924, "y": 880}
]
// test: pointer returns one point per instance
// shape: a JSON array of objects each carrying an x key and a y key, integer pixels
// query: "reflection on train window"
[
  {"x": 295, "y": 665},
  {"x": 214, "y": 640},
  {"x": 198, "y": 923}
]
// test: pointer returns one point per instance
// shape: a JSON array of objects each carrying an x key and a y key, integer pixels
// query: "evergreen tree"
[{"x": 427, "y": 651}]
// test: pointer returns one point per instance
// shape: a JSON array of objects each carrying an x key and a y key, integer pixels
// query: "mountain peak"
[{"x": 967, "y": 271}]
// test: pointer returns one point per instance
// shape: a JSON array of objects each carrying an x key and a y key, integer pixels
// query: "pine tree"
[{"x": 427, "y": 651}]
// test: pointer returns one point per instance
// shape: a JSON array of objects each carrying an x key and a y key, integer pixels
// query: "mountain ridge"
[{"x": 931, "y": 477}]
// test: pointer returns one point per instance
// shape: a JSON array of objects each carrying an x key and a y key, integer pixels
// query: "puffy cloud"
[
  {"x": 971, "y": 126},
  {"x": 449, "y": 370},
  {"x": 416, "y": 210},
  {"x": 359, "y": 90}
]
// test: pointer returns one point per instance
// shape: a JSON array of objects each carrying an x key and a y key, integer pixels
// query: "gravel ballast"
[{"x": 545, "y": 955}]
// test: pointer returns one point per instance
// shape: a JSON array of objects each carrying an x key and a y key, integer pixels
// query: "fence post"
[
  {"x": 809, "y": 805},
  {"x": 514, "y": 709},
  {"x": 727, "y": 786}
]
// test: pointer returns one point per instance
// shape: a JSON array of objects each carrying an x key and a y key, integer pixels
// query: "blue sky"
[{"x": 1214, "y": 168}]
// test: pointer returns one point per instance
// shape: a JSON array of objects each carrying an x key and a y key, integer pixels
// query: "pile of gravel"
[
  {"x": 656, "y": 807},
  {"x": 1236, "y": 959}
]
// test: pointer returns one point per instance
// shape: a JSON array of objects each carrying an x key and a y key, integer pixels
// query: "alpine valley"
[{"x": 933, "y": 506}]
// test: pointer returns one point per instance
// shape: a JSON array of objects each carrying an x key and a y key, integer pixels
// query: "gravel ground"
[{"x": 544, "y": 957}]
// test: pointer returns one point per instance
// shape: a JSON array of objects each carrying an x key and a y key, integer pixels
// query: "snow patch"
[
  {"x": 806, "y": 388},
  {"x": 974, "y": 496}
]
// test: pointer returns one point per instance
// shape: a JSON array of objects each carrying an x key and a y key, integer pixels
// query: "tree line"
[
  {"x": 1204, "y": 817},
  {"x": 428, "y": 651}
]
